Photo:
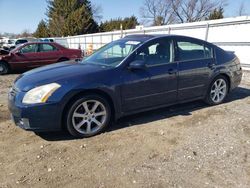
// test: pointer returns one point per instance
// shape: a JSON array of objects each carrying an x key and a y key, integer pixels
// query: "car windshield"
[
  {"x": 11, "y": 41},
  {"x": 113, "y": 53}
]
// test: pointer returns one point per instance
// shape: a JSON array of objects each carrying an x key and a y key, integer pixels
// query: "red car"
[{"x": 35, "y": 54}]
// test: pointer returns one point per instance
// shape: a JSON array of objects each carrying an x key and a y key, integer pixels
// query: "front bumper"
[{"x": 41, "y": 117}]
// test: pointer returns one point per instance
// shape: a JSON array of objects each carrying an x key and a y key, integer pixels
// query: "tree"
[
  {"x": 115, "y": 24},
  {"x": 161, "y": 12},
  {"x": 216, "y": 14},
  {"x": 157, "y": 12},
  {"x": 130, "y": 22},
  {"x": 42, "y": 30},
  {"x": 72, "y": 25},
  {"x": 97, "y": 12},
  {"x": 24, "y": 34},
  {"x": 70, "y": 17},
  {"x": 242, "y": 9},
  {"x": 194, "y": 10}
]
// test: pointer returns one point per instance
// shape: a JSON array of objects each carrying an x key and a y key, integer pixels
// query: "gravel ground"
[{"x": 190, "y": 145}]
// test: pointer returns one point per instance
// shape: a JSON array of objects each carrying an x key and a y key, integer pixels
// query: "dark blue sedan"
[{"x": 130, "y": 75}]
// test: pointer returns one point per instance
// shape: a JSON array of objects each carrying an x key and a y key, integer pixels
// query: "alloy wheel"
[
  {"x": 89, "y": 117},
  {"x": 218, "y": 91}
]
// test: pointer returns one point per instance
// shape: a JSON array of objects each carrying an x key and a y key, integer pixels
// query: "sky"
[{"x": 19, "y": 15}]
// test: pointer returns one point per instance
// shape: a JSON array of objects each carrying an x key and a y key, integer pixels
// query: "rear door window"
[
  {"x": 46, "y": 48},
  {"x": 191, "y": 51}
]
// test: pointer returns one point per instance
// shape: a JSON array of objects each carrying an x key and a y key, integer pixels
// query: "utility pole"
[{"x": 121, "y": 27}]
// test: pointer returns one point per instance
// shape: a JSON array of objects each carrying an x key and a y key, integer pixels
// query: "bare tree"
[
  {"x": 157, "y": 12},
  {"x": 25, "y": 33},
  {"x": 194, "y": 10},
  {"x": 160, "y": 12},
  {"x": 242, "y": 10},
  {"x": 97, "y": 12}
]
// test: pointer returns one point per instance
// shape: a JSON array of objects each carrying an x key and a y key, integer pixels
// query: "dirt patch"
[{"x": 190, "y": 145}]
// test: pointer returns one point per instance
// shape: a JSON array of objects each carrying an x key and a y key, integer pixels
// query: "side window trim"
[{"x": 39, "y": 48}]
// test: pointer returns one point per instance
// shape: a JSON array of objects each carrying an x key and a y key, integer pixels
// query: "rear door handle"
[{"x": 172, "y": 71}]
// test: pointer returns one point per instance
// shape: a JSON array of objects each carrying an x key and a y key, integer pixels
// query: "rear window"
[{"x": 191, "y": 51}]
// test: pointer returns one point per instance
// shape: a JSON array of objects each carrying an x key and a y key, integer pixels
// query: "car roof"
[
  {"x": 154, "y": 36},
  {"x": 27, "y": 38},
  {"x": 146, "y": 37},
  {"x": 150, "y": 36},
  {"x": 41, "y": 42}
]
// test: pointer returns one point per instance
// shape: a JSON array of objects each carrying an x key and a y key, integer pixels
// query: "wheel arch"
[
  {"x": 87, "y": 92},
  {"x": 228, "y": 79},
  {"x": 61, "y": 59}
]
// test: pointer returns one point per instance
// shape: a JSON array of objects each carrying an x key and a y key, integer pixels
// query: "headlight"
[{"x": 40, "y": 94}]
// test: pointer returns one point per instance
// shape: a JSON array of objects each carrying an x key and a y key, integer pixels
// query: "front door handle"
[
  {"x": 172, "y": 71},
  {"x": 211, "y": 65}
]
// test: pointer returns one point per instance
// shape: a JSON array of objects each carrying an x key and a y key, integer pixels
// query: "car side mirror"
[{"x": 137, "y": 64}]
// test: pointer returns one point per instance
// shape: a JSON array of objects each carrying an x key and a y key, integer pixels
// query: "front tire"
[
  {"x": 4, "y": 68},
  {"x": 88, "y": 116},
  {"x": 218, "y": 91}
]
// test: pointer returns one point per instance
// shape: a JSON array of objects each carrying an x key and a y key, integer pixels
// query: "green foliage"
[
  {"x": 70, "y": 17},
  {"x": 115, "y": 24},
  {"x": 72, "y": 25},
  {"x": 42, "y": 30},
  {"x": 216, "y": 14}
]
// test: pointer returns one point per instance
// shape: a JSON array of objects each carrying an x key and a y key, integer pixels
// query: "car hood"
[
  {"x": 59, "y": 73},
  {"x": 4, "y": 54}
]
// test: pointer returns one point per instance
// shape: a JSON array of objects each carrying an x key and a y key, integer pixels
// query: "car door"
[
  {"x": 195, "y": 65},
  {"x": 25, "y": 57},
  {"x": 48, "y": 54},
  {"x": 156, "y": 84}
]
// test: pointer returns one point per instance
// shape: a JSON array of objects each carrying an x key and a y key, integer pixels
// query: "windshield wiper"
[{"x": 94, "y": 63}]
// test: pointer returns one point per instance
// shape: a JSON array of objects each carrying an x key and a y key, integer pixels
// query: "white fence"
[{"x": 232, "y": 34}]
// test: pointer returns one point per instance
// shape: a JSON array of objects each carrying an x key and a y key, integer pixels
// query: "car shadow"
[{"x": 154, "y": 115}]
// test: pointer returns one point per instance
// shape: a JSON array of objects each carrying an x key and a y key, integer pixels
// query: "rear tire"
[
  {"x": 4, "y": 68},
  {"x": 217, "y": 91},
  {"x": 88, "y": 116},
  {"x": 62, "y": 60}
]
